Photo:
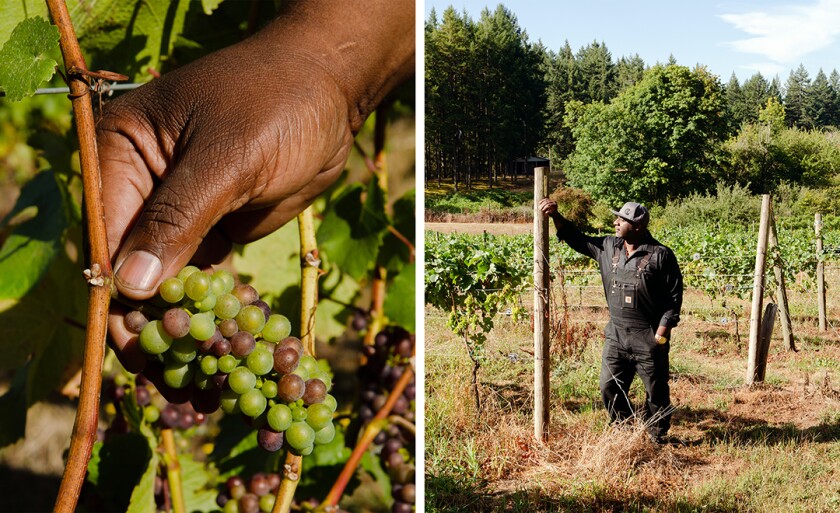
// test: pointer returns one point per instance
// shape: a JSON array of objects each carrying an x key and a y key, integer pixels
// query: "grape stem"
[
  {"x": 173, "y": 471},
  {"x": 99, "y": 296},
  {"x": 310, "y": 272},
  {"x": 377, "y": 424}
]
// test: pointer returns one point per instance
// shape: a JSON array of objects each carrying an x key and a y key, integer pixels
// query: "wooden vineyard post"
[
  {"x": 820, "y": 269},
  {"x": 781, "y": 290},
  {"x": 766, "y": 334},
  {"x": 541, "y": 290},
  {"x": 758, "y": 288}
]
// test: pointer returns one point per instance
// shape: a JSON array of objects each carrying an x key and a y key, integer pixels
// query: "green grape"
[
  {"x": 276, "y": 328},
  {"x": 154, "y": 339},
  {"x": 269, "y": 389},
  {"x": 229, "y": 401},
  {"x": 241, "y": 380},
  {"x": 197, "y": 286},
  {"x": 202, "y": 381},
  {"x": 309, "y": 363},
  {"x": 231, "y": 506},
  {"x": 202, "y": 326},
  {"x": 151, "y": 413},
  {"x": 267, "y": 502},
  {"x": 260, "y": 361},
  {"x": 252, "y": 403},
  {"x": 323, "y": 366},
  {"x": 223, "y": 282},
  {"x": 227, "y": 363},
  {"x": 300, "y": 435},
  {"x": 185, "y": 273},
  {"x": 251, "y": 319},
  {"x": 331, "y": 402},
  {"x": 206, "y": 304},
  {"x": 300, "y": 371},
  {"x": 298, "y": 413},
  {"x": 182, "y": 350},
  {"x": 209, "y": 364},
  {"x": 318, "y": 415},
  {"x": 306, "y": 451},
  {"x": 227, "y": 306},
  {"x": 325, "y": 435},
  {"x": 171, "y": 290},
  {"x": 177, "y": 374},
  {"x": 280, "y": 417}
]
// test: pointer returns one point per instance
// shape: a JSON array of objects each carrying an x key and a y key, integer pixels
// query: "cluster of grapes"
[
  {"x": 156, "y": 410},
  {"x": 258, "y": 494},
  {"x": 386, "y": 361},
  {"x": 223, "y": 339}
]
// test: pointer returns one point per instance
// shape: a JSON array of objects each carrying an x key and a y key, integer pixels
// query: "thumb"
[{"x": 174, "y": 223}]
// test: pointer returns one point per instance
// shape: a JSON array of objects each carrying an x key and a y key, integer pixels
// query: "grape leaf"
[
  {"x": 143, "y": 496},
  {"x": 394, "y": 252},
  {"x": 400, "y": 298},
  {"x": 25, "y": 61},
  {"x": 197, "y": 482},
  {"x": 93, "y": 464},
  {"x": 236, "y": 451},
  {"x": 124, "y": 461},
  {"x": 26, "y": 255},
  {"x": 130, "y": 36},
  {"x": 210, "y": 5},
  {"x": 352, "y": 229}
]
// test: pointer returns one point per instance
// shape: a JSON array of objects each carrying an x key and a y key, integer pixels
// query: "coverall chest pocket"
[{"x": 627, "y": 295}]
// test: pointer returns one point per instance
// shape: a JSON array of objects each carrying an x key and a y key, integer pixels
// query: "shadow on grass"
[
  {"x": 451, "y": 494},
  {"x": 740, "y": 430}
]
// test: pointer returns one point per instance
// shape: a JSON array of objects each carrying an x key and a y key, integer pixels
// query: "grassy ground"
[{"x": 773, "y": 447}]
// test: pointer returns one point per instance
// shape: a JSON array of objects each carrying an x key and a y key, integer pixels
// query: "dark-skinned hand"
[{"x": 232, "y": 146}]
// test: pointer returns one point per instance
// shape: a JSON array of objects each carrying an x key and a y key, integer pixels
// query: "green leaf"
[
  {"x": 13, "y": 410},
  {"x": 400, "y": 298},
  {"x": 25, "y": 62},
  {"x": 197, "y": 481},
  {"x": 27, "y": 253},
  {"x": 352, "y": 229},
  {"x": 394, "y": 252},
  {"x": 125, "y": 461},
  {"x": 130, "y": 36},
  {"x": 93, "y": 464},
  {"x": 210, "y": 5},
  {"x": 236, "y": 451},
  {"x": 143, "y": 496}
]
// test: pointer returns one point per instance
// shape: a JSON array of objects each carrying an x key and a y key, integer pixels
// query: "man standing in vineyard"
[{"x": 643, "y": 285}]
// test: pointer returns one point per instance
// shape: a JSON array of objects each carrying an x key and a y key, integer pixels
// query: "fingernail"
[{"x": 140, "y": 271}]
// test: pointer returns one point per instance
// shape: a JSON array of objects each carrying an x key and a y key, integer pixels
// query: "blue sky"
[{"x": 741, "y": 36}]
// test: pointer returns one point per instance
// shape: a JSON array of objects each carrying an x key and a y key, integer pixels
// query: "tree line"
[{"x": 615, "y": 127}]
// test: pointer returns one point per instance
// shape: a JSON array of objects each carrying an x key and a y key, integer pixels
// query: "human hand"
[
  {"x": 548, "y": 207},
  {"x": 231, "y": 147}
]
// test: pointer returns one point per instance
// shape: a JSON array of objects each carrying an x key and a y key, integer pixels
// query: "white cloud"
[
  {"x": 767, "y": 69},
  {"x": 787, "y": 33}
]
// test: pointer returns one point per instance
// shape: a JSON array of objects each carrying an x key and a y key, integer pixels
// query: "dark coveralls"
[{"x": 643, "y": 291}]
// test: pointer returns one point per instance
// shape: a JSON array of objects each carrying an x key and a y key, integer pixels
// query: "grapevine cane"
[
  {"x": 173, "y": 471},
  {"x": 99, "y": 272},
  {"x": 377, "y": 424},
  {"x": 310, "y": 272}
]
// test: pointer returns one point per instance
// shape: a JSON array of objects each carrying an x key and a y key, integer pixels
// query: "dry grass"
[{"x": 771, "y": 447}]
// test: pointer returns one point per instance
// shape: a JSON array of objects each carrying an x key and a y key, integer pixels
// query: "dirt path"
[{"x": 473, "y": 228}]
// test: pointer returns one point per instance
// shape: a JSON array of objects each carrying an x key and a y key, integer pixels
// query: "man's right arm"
[{"x": 567, "y": 231}]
